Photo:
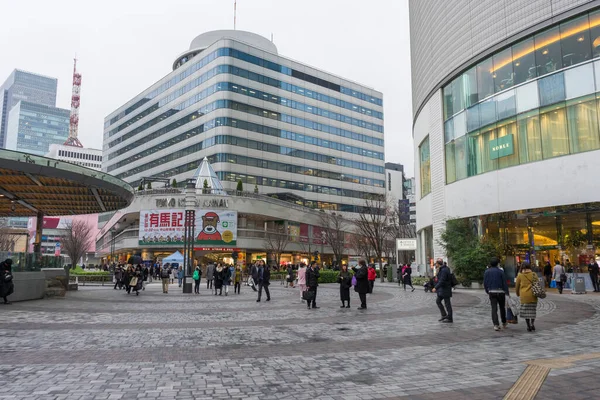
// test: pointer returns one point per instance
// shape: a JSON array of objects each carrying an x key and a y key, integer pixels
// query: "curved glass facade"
[{"x": 535, "y": 100}]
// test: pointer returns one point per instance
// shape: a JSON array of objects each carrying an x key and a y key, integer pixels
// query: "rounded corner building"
[{"x": 506, "y": 102}]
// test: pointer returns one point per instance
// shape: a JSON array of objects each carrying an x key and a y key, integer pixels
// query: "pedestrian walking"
[
  {"x": 237, "y": 280},
  {"x": 180, "y": 275},
  {"x": 118, "y": 278},
  {"x": 302, "y": 280},
  {"x": 210, "y": 275},
  {"x": 227, "y": 278},
  {"x": 164, "y": 275},
  {"x": 371, "y": 276},
  {"x": 443, "y": 288},
  {"x": 558, "y": 275},
  {"x": 218, "y": 278},
  {"x": 494, "y": 283},
  {"x": 290, "y": 277},
  {"x": 523, "y": 289},
  {"x": 345, "y": 281},
  {"x": 548, "y": 273},
  {"x": 363, "y": 284},
  {"x": 196, "y": 278},
  {"x": 7, "y": 286},
  {"x": 312, "y": 282},
  {"x": 145, "y": 276},
  {"x": 593, "y": 269},
  {"x": 264, "y": 280},
  {"x": 407, "y": 277}
]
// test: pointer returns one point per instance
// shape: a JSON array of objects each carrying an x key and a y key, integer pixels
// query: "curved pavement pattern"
[{"x": 99, "y": 343}]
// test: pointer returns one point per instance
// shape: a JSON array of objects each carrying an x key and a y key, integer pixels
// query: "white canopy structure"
[
  {"x": 176, "y": 257},
  {"x": 206, "y": 173}
]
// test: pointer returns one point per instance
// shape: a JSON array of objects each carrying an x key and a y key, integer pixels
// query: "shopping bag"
[
  {"x": 510, "y": 317},
  {"x": 133, "y": 281},
  {"x": 308, "y": 295},
  {"x": 513, "y": 304},
  {"x": 553, "y": 284}
]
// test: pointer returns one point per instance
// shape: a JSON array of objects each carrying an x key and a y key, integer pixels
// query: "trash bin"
[
  {"x": 187, "y": 287},
  {"x": 578, "y": 285}
]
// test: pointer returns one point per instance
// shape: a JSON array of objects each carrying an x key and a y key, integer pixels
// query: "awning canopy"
[
  {"x": 30, "y": 184},
  {"x": 176, "y": 257}
]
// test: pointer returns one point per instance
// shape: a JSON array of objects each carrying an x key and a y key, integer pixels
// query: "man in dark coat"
[
  {"x": 118, "y": 278},
  {"x": 362, "y": 283},
  {"x": 312, "y": 281},
  {"x": 263, "y": 275},
  {"x": 594, "y": 270},
  {"x": 7, "y": 287},
  {"x": 443, "y": 288},
  {"x": 548, "y": 273},
  {"x": 210, "y": 271}
]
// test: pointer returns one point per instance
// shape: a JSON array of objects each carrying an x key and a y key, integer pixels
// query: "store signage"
[
  {"x": 227, "y": 249},
  {"x": 204, "y": 203},
  {"x": 166, "y": 227},
  {"x": 57, "y": 249},
  {"x": 502, "y": 147},
  {"x": 406, "y": 244}
]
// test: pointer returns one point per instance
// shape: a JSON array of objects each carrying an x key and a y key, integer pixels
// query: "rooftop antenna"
[
  {"x": 75, "y": 102},
  {"x": 234, "y": 13}
]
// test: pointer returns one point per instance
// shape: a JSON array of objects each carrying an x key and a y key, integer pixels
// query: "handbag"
[
  {"x": 8, "y": 278},
  {"x": 354, "y": 282},
  {"x": 537, "y": 289},
  {"x": 133, "y": 281},
  {"x": 308, "y": 295},
  {"x": 287, "y": 277},
  {"x": 514, "y": 305}
]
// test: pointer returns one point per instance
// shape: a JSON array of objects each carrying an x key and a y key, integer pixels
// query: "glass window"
[
  {"x": 582, "y": 115},
  {"x": 553, "y": 125},
  {"x": 449, "y": 131},
  {"x": 487, "y": 111},
  {"x": 480, "y": 160},
  {"x": 552, "y": 89},
  {"x": 503, "y": 70},
  {"x": 460, "y": 124},
  {"x": 473, "y": 121},
  {"x": 524, "y": 66},
  {"x": 425, "y": 167},
  {"x": 595, "y": 32},
  {"x": 473, "y": 155},
  {"x": 450, "y": 163},
  {"x": 530, "y": 137},
  {"x": 597, "y": 73},
  {"x": 548, "y": 56},
  {"x": 448, "y": 102},
  {"x": 485, "y": 80},
  {"x": 508, "y": 130},
  {"x": 575, "y": 41},
  {"x": 527, "y": 97},
  {"x": 460, "y": 156},
  {"x": 458, "y": 98},
  {"x": 506, "y": 105},
  {"x": 579, "y": 81},
  {"x": 470, "y": 87}
]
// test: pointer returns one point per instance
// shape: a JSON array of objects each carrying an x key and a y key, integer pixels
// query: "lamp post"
[
  {"x": 112, "y": 245},
  {"x": 189, "y": 233}
]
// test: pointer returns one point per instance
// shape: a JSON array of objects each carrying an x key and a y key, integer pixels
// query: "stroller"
[{"x": 429, "y": 285}]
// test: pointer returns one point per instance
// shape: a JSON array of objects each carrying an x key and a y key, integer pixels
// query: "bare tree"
[
  {"x": 276, "y": 241},
  {"x": 401, "y": 229},
  {"x": 8, "y": 237},
  {"x": 333, "y": 227},
  {"x": 361, "y": 246},
  {"x": 77, "y": 240},
  {"x": 373, "y": 224}
]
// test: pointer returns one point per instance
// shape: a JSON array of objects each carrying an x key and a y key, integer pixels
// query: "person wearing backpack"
[
  {"x": 197, "y": 275},
  {"x": 524, "y": 289},
  {"x": 443, "y": 288},
  {"x": 494, "y": 283},
  {"x": 164, "y": 276}
]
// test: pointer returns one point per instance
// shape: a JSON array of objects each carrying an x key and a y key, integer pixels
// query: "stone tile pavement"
[{"x": 100, "y": 343}]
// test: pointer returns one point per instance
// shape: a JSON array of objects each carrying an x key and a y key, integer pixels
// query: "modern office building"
[
  {"x": 32, "y": 127},
  {"x": 282, "y": 127},
  {"x": 26, "y": 86},
  {"x": 86, "y": 157},
  {"x": 506, "y": 103},
  {"x": 394, "y": 185}
]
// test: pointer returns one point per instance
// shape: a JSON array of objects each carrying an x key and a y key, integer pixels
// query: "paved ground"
[{"x": 99, "y": 343}]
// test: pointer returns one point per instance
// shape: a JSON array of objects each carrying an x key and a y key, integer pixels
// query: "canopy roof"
[
  {"x": 205, "y": 172},
  {"x": 30, "y": 184},
  {"x": 176, "y": 257}
]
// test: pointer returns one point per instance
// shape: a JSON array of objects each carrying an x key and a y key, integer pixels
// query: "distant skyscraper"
[
  {"x": 32, "y": 128},
  {"x": 26, "y": 86},
  {"x": 86, "y": 157}
]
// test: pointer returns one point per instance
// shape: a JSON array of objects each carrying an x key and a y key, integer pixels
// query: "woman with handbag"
[
  {"x": 345, "y": 281},
  {"x": 7, "y": 287},
  {"x": 524, "y": 289}
]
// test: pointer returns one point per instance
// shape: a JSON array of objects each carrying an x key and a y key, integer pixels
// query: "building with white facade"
[
  {"x": 280, "y": 126},
  {"x": 86, "y": 157},
  {"x": 506, "y": 125}
]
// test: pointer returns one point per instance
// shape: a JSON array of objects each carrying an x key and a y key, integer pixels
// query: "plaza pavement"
[{"x": 99, "y": 343}]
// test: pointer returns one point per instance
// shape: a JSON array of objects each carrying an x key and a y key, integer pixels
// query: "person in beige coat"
[{"x": 523, "y": 289}]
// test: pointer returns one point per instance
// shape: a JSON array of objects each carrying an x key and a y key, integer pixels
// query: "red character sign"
[{"x": 210, "y": 221}]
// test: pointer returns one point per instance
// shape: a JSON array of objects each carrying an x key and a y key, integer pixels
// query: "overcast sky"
[{"x": 124, "y": 46}]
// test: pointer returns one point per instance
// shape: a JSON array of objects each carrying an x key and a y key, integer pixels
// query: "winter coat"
[
  {"x": 345, "y": 280},
  {"x": 266, "y": 279},
  {"x": 312, "y": 277},
  {"x": 218, "y": 277},
  {"x": 302, "y": 276},
  {"x": 290, "y": 272},
  {"x": 6, "y": 288},
  {"x": 443, "y": 286},
  {"x": 406, "y": 275},
  {"x": 523, "y": 287},
  {"x": 180, "y": 274},
  {"x": 362, "y": 281},
  {"x": 371, "y": 274},
  {"x": 238, "y": 276},
  {"x": 210, "y": 272},
  {"x": 494, "y": 281},
  {"x": 226, "y": 276}
]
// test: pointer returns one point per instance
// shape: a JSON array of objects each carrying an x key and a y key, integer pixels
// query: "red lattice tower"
[{"x": 75, "y": 102}]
